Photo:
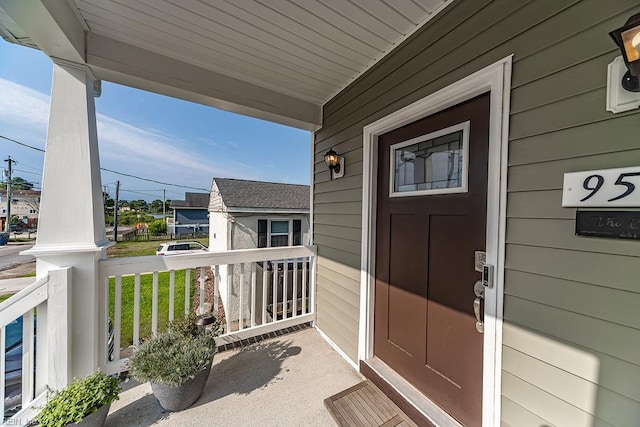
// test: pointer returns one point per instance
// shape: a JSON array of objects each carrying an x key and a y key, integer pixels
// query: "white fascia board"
[
  {"x": 129, "y": 65},
  {"x": 52, "y": 25},
  {"x": 267, "y": 210}
]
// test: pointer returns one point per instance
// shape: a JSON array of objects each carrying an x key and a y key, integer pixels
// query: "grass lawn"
[
  {"x": 146, "y": 296},
  {"x": 144, "y": 248},
  {"x": 5, "y": 297}
]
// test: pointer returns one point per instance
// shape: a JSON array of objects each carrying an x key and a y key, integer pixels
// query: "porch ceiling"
[{"x": 280, "y": 60}]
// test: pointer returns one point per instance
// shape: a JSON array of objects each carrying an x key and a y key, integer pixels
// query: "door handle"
[{"x": 478, "y": 306}]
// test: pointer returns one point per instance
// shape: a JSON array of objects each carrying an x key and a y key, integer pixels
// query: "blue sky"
[{"x": 147, "y": 135}]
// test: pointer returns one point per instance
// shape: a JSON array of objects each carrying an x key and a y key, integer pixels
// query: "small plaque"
[
  {"x": 612, "y": 224},
  {"x": 481, "y": 259}
]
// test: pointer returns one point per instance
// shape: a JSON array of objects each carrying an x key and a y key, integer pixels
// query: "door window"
[{"x": 435, "y": 163}]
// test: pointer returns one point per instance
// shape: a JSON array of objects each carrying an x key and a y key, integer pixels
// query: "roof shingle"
[{"x": 238, "y": 193}]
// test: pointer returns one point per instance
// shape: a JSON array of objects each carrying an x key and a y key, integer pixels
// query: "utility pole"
[
  {"x": 7, "y": 225},
  {"x": 115, "y": 213},
  {"x": 164, "y": 196}
]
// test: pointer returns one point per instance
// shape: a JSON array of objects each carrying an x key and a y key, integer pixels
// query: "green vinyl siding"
[{"x": 576, "y": 298}]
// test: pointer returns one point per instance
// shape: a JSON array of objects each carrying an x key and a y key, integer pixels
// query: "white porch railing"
[
  {"x": 42, "y": 329},
  {"x": 257, "y": 290}
]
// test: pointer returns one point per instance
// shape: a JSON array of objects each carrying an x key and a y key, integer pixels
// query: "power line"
[
  {"x": 153, "y": 180},
  {"x": 32, "y": 173},
  {"x": 116, "y": 172},
  {"x": 23, "y": 144}
]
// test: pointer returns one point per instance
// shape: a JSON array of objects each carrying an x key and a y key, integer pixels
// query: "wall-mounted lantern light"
[
  {"x": 627, "y": 38},
  {"x": 335, "y": 163}
]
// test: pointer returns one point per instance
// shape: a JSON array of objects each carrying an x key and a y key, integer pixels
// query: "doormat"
[{"x": 364, "y": 405}]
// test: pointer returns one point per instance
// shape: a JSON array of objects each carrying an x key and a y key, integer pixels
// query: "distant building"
[
  {"x": 190, "y": 216},
  {"x": 24, "y": 203},
  {"x": 254, "y": 214}
]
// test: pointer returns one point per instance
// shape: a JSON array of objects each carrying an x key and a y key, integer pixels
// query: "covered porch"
[{"x": 277, "y": 62}]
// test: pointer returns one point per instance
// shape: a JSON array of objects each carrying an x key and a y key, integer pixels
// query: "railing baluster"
[
  {"x": 253, "y": 295},
  {"x": 295, "y": 288},
  {"x": 265, "y": 278},
  {"x": 312, "y": 282},
  {"x": 216, "y": 290},
  {"x": 3, "y": 369},
  {"x": 291, "y": 297},
  {"x": 229, "y": 283},
  {"x": 172, "y": 293},
  {"x": 42, "y": 344},
  {"x": 274, "y": 307},
  {"x": 105, "y": 330},
  {"x": 27, "y": 357},
  {"x": 241, "y": 305},
  {"x": 202, "y": 282},
  {"x": 304, "y": 285},
  {"x": 136, "y": 310},
  {"x": 285, "y": 288},
  {"x": 187, "y": 291},
  {"x": 154, "y": 305},
  {"x": 117, "y": 317}
]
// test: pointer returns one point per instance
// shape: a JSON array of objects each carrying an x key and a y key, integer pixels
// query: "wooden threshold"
[
  {"x": 405, "y": 406},
  {"x": 364, "y": 405}
]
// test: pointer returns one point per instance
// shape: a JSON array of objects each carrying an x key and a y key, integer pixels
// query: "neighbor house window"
[
  {"x": 275, "y": 233},
  {"x": 279, "y": 233}
]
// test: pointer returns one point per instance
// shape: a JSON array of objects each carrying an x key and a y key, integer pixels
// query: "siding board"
[
  {"x": 571, "y": 302},
  {"x": 339, "y": 330},
  {"x": 560, "y": 234},
  {"x": 338, "y": 267},
  {"x": 517, "y": 416},
  {"x": 577, "y": 297},
  {"x": 351, "y": 195},
  {"x": 557, "y": 411},
  {"x": 347, "y": 233},
  {"x": 605, "y": 337},
  {"x": 620, "y": 133},
  {"x": 346, "y": 258},
  {"x": 354, "y": 221},
  {"x": 611, "y": 271},
  {"x": 538, "y": 204},
  {"x": 592, "y": 366},
  {"x": 343, "y": 308},
  {"x": 598, "y": 401},
  {"x": 550, "y": 175}
]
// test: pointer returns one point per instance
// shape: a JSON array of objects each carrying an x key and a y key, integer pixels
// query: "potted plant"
[
  {"x": 176, "y": 362},
  {"x": 85, "y": 402}
]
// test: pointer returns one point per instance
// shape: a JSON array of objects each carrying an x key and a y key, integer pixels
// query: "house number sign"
[{"x": 602, "y": 188}]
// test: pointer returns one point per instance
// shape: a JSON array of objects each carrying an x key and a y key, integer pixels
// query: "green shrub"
[
  {"x": 82, "y": 397},
  {"x": 176, "y": 355},
  {"x": 158, "y": 227}
]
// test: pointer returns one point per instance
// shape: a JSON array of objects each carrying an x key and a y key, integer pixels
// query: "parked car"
[{"x": 179, "y": 248}]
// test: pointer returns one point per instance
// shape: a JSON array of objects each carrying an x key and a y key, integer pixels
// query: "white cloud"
[{"x": 124, "y": 147}]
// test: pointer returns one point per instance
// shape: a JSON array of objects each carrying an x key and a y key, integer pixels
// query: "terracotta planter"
[
  {"x": 96, "y": 419},
  {"x": 177, "y": 398}
]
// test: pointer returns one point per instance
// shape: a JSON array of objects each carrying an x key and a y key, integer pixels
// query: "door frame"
[{"x": 496, "y": 80}]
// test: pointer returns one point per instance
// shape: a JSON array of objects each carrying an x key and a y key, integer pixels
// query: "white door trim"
[{"x": 495, "y": 79}]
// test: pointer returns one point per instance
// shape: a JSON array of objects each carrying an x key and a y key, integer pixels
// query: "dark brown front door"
[{"x": 427, "y": 233}]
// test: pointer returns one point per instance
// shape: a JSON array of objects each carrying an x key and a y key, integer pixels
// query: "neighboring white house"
[
  {"x": 24, "y": 203},
  {"x": 254, "y": 214}
]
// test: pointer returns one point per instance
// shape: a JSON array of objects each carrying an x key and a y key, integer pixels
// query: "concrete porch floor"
[{"x": 280, "y": 381}]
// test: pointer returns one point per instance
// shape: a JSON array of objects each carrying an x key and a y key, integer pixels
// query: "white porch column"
[{"x": 71, "y": 229}]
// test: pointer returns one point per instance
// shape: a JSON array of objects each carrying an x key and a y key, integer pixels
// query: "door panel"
[{"x": 424, "y": 325}]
